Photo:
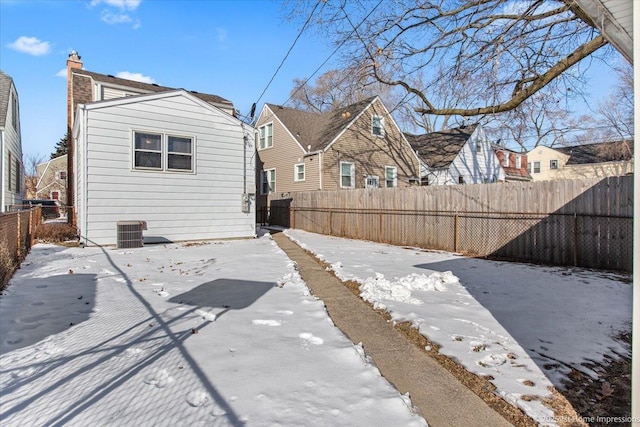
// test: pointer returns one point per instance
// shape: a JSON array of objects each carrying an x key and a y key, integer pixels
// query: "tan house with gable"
[
  {"x": 581, "y": 161},
  {"x": 358, "y": 146},
  {"x": 52, "y": 180}
]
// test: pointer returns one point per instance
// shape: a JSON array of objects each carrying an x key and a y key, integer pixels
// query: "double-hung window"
[
  {"x": 265, "y": 136},
  {"x": 347, "y": 175},
  {"x": 377, "y": 126},
  {"x": 518, "y": 161},
  {"x": 536, "y": 167},
  {"x": 161, "y": 152},
  {"x": 298, "y": 172},
  {"x": 268, "y": 181},
  {"x": 505, "y": 160},
  {"x": 391, "y": 176}
]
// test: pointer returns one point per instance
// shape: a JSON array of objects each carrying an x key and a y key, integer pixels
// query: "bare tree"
[
  {"x": 31, "y": 173},
  {"x": 335, "y": 89},
  {"x": 510, "y": 50}
]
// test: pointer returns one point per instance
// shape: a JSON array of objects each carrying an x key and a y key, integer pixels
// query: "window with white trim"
[
  {"x": 518, "y": 161},
  {"x": 390, "y": 176},
  {"x": 347, "y": 175},
  {"x": 372, "y": 181},
  {"x": 505, "y": 159},
  {"x": 265, "y": 133},
  {"x": 298, "y": 172},
  {"x": 55, "y": 195},
  {"x": 162, "y": 152},
  {"x": 268, "y": 181},
  {"x": 62, "y": 175},
  {"x": 553, "y": 164},
  {"x": 536, "y": 167},
  {"x": 377, "y": 126}
]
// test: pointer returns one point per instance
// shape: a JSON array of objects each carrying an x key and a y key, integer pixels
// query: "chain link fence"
[
  {"x": 17, "y": 234},
  {"x": 582, "y": 240}
]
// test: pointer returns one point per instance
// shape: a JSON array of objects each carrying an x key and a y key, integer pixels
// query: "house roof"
[
  {"x": 318, "y": 130},
  {"x": 439, "y": 149},
  {"x": 511, "y": 171},
  {"x": 149, "y": 87},
  {"x": 598, "y": 153},
  {"x": 5, "y": 90}
]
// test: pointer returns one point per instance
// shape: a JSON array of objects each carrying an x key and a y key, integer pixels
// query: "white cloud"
[
  {"x": 114, "y": 18},
  {"x": 30, "y": 45},
  {"x": 62, "y": 73},
  {"x": 135, "y": 76},
  {"x": 120, "y": 4}
]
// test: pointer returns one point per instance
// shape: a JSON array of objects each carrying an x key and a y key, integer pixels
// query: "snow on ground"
[
  {"x": 525, "y": 326},
  {"x": 221, "y": 333}
]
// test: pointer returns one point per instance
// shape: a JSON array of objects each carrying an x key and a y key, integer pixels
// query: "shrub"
[
  {"x": 7, "y": 266},
  {"x": 56, "y": 233}
]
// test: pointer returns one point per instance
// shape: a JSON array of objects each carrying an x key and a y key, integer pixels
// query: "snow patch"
[
  {"x": 311, "y": 338},
  {"x": 198, "y": 398},
  {"x": 266, "y": 322},
  {"x": 159, "y": 378},
  {"x": 206, "y": 315}
]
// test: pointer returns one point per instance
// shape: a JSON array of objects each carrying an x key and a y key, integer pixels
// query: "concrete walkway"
[{"x": 439, "y": 397}]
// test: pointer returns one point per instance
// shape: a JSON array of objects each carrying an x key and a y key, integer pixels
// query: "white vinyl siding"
[
  {"x": 347, "y": 175},
  {"x": 204, "y": 204}
]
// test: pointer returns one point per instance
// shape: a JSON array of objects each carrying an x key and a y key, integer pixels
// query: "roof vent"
[{"x": 130, "y": 233}]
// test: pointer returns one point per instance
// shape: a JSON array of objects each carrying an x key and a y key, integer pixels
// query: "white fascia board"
[{"x": 162, "y": 95}]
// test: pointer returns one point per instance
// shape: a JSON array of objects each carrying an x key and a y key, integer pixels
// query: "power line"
[
  {"x": 290, "y": 49},
  {"x": 333, "y": 53}
]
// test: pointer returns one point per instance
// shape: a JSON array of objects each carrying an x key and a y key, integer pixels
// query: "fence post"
[
  {"x": 575, "y": 239},
  {"x": 19, "y": 243},
  {"x": 456, "y": 226}
]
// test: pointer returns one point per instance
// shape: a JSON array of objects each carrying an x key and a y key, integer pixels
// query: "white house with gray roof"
[{"x": 11, "y": 169}]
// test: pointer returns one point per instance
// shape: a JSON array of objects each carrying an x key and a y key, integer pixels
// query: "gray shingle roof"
[
  {"x": 5, "y": 90},
  {"x": 318, "y": 130},
  {"x": 149, "y": 87},
  {"x": 598, "y": 153},
  {"x": 439, "y": 149}
]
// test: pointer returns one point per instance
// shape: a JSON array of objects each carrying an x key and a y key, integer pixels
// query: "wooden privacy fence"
[
  {"x": 586, "y": 223},
  {"x": 17, "y": 234}
]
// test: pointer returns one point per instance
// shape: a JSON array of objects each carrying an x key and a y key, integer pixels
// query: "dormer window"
[{"x": 377, "y": 126}]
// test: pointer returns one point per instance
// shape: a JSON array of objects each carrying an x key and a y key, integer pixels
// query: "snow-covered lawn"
[
  {"x": 212, "y": 334},
  {"x": 523, "y": 325}
]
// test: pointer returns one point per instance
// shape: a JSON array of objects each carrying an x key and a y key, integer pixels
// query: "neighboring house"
[
  {"x": 52, "y": 180},
  {"x": 462, "y": 155},
  {"x": 514, "y": 164},
  {"x": 86, "y": 86},
  {"x": 358, "y": 146},
  {"x": 170, "y": 159},
  {"x": 11, "y": 169},
  {"x": 581, "y": 161}
]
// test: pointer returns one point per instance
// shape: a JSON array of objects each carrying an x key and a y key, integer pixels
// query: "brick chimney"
[{"x": 73, "y": 62}]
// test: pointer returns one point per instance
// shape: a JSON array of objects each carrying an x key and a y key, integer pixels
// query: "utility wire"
[
  {"x": 290, "y": 49},
  {"x": 333, "y": 53}
]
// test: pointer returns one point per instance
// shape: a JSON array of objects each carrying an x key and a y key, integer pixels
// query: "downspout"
[{"x": 320, "y": 168}]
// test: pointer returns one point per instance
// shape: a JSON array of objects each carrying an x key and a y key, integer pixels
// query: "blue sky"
[{"x": 227, "y": 48}]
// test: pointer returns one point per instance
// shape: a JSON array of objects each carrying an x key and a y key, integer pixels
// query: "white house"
[
  {"x": 171, "y": 159},
  {"x": 11, "y": 170},
  {"x": 462, "y": 155}
]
